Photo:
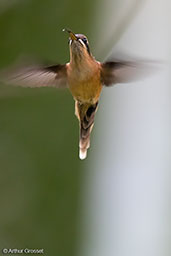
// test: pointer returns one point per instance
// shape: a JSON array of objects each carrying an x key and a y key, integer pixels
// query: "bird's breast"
[{"x": 85, "y": 84}]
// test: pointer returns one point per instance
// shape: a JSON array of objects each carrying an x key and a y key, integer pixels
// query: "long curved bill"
[{"x": 71, "y": 34}]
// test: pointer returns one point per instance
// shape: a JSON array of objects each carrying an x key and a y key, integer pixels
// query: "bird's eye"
[{"x": 84, "y": 40}]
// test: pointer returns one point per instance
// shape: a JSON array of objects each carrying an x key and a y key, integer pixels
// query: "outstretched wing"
[
  {"x": 114, "y": 72},
  {"x": 53, "y": 76}
]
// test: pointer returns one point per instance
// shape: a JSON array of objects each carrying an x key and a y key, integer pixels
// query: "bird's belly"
[{"x": 87, "y": 91}]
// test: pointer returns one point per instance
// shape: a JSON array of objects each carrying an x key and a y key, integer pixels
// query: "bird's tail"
[{"x": 85, "y": 113}]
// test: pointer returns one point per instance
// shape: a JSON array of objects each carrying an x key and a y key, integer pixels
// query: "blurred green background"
[{"x": 40, "y": 173}]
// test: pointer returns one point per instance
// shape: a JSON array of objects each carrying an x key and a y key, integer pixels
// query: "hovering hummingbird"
[{"x": 84, "y": 77}]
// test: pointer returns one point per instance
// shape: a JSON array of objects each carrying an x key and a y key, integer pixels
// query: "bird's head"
[{"x": 79, "y": 46}]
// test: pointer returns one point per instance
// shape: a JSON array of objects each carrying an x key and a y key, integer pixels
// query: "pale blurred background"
[{"x": 117, "y": 202}]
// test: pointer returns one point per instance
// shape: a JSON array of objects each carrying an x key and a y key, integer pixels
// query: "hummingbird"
[{"x": 84, "y": 76}]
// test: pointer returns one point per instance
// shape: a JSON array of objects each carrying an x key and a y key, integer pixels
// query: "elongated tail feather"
[{"x": 85, "y": 113}]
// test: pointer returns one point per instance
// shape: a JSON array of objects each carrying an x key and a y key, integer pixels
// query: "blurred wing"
[
  {"x": 114, "y": 72},
  {"x": 53, "y": 76}
]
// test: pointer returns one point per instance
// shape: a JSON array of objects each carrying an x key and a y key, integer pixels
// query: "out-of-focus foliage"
[{"x": 40, "y": 173}]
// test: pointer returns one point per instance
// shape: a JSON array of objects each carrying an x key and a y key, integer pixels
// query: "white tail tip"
[{"x": 83, "y": 153}]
